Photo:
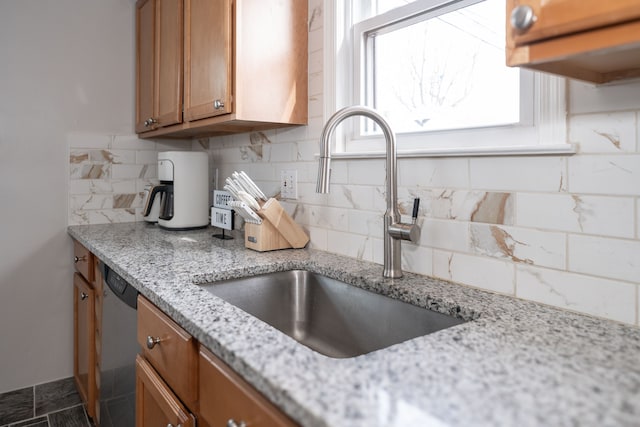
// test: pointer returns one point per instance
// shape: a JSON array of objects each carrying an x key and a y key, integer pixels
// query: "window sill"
[{"x": 536, "y": 150}]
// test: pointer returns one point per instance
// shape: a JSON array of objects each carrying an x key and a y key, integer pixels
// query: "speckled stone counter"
[{"x": 514, "y": 363}]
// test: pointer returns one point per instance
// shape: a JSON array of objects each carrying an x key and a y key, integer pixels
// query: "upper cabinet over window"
[
  {"x": 592, "y": 40},
  {"x": 244, "y": 67}
]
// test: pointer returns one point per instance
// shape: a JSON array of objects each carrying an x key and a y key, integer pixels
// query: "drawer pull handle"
[
  {"x": 171, "y": 425},
  {"x": 151, "y": 342},
  {"x": 83, "y": 296},
  {"x": 233, "y": 423},
  {"x": 77, "y": 259}
]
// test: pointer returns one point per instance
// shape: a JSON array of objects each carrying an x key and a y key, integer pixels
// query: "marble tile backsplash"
[
  {"x": 108, "y": 173},
  {"x": 560, "y": 230}
]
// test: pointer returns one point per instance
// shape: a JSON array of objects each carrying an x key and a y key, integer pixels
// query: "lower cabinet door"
[
  {"x": 156, "y": 405},
  {"x": 84, "y": 354},
  {"x": 228, "y": 400}
]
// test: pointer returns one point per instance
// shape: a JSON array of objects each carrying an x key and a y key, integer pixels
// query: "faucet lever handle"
[{"x": 416, "y": 207}]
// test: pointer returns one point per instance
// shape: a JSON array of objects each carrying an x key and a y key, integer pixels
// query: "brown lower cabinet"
[
  {"x": 86, "y": 329},
  {"x": 177, "y": 377},
  {"x": 228, "y": 400},
  {"x": 84, "y": 357},
  {"x": 156, "y": 404}
]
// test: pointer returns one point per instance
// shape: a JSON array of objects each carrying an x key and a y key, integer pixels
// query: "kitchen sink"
[{"x": 329, "y": 316}]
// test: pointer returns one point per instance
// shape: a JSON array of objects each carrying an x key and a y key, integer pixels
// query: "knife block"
[{"x": 277, "y": 231}]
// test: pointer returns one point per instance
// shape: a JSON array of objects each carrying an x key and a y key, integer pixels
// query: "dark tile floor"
[{"x": 54, "y": 404}]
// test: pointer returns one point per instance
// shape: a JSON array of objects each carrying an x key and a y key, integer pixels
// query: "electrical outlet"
[{"x": 289, "y": 184}]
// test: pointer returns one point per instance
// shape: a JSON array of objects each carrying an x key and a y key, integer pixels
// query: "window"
[{"x": 435, "y": 70}]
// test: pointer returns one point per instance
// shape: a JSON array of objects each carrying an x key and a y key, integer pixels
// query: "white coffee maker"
[{"x": 183, "y": 191}]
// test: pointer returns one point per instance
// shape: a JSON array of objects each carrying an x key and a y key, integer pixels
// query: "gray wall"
[{"x": 66, "y": 66}]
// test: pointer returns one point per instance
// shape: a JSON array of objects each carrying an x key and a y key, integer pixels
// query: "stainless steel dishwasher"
[{"x": 117, "y": 353}]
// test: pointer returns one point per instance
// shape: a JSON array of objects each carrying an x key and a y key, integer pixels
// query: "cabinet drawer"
[
  {"x": 156, "y": 405},
  {"x": 224, "y": 396},
  {"x": 173, "y": 351},
  {"x": 83, "y": 261}
]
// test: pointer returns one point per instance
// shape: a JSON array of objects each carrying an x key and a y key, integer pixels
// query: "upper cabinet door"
[
  {"x": 208, "y": 59},
  {"x": 561, "y": 17},
  {"x": 158, "y": 63},
  {"x": 145, "y": 29},
  {"x": 168, "y": 53}
]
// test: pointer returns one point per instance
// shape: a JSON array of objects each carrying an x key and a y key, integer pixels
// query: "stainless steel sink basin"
[{"x": 327, "y": 315}]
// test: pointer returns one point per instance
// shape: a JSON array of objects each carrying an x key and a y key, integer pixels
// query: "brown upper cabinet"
[
  {"x": 244, "y": 64},
  {"x": 159, "y": 41},
  {"x": 592, "y": 40}
]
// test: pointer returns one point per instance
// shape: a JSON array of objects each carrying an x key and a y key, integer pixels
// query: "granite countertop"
[{"x": 514, "y": 363}]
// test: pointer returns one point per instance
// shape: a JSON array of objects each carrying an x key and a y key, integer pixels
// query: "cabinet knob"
[
  {"x": 233, "y": 423},
  {"x": 83, "y": 296},
  {"x": 522, "y": 17},
  {"x": 217, "y": 104},
  {"x": 151, "y": 342},
  {"x": 171, "y": 425},
  {"x": 77, "y": 259},
  {"x": 150, "y": 121}
]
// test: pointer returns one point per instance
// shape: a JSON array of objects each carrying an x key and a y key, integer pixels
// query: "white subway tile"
[
  {"x": 604, "y": 133},
  {"x": 638, "y": 218},
  {"x": 281, "y": 152},
  {"x": 480, "y": 272},
  {"x": 315, "y": 15},
  {"x": 476, "y": 206},
  {"x": 315, "y": 61},
  {"x": 290, "y": 134},
  {"x": 90, "y": 202},
  {"x": 317, "y": 238},
  {"x": 314, "y": 128},
  {"x": 519, "y": 245},
  {"x": 518, "y": 173},
  {"x": 440, "y": 172},
  {"x": 589, "y": 98},
  {"x": 316, "y": 84},
  {"x": 79, "y": 186},
  {"x": 325, "y": 217},
  {"x": 127, "y": 171},
  {"x": 367, "y": 172},
  {"x": 638, "y": 306},
  {"x": 124, "y": 186},
  {"x": 120, "y": 156},
  {"x": 146, "y": 157},
  {"x": 417, "y": 259},
  {"x": 350, "y": 245},
  {"x": 307, "y": 194},
  {"x": 585, "y": 294},
  {"x": 638, "y": 131},
  {"x": 366, "y": 223},
  {"x": 450, "y": 235},
  {"x": 106, "y": 216},
  {"x": 608, "y": 216},
  {"x": 605, "y": 174},
  {"x": 306, "y": 151},
  {"x": 599, "y": 256},
  {"x": 316, "y": 105},
  {"x": 351, "y": 196}
]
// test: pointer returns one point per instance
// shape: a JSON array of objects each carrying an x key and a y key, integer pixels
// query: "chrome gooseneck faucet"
[{"x": 394, "y": 230}]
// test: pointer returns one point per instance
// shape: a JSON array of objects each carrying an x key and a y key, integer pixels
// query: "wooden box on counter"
[{"x": 277, "y": 231}]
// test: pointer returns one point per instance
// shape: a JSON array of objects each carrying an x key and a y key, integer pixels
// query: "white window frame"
[{"x": 546, "y": 133}]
